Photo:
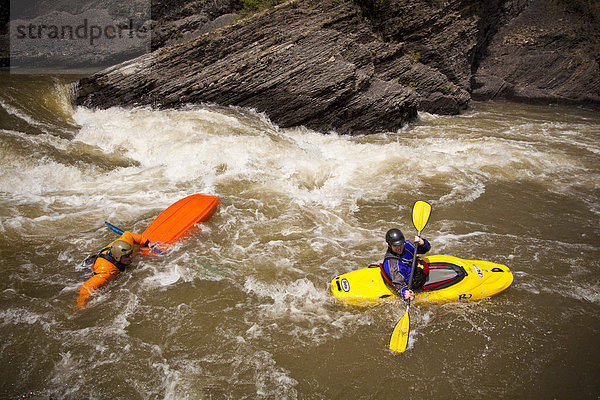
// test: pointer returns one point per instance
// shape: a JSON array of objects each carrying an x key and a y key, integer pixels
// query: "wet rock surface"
[{"x": 364, "y": 66}]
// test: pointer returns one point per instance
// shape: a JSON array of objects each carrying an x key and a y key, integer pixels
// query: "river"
[{"x": 243, "y": 309}]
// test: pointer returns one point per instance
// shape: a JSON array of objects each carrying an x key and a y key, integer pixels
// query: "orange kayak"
[{"x": 181, "y": 219}]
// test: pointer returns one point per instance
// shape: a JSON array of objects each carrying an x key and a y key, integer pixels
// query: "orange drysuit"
[{"x": 104, "y": 271}]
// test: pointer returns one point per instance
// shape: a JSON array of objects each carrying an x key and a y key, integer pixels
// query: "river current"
[{"x": 243, "y": 309}]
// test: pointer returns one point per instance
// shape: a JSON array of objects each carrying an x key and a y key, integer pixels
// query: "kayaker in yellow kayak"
[
  {"x": 398, "y": 260},
  {"x": 110, "y": 262}
]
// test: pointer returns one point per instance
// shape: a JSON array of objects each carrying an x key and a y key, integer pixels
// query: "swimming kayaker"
[
  {"x": 397, "y": 263},
  {"x": 110, "y": 262}
]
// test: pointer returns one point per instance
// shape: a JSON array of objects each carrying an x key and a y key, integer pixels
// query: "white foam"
[
  {"x": 589, "y": 292},
  {"x": 300, "y": 164},
  {"x": 291, "y": 217},
  {"x": 307, "y": 307},
  {"x": 164, "y": 278},
  {"x": 23, "y": 316}
]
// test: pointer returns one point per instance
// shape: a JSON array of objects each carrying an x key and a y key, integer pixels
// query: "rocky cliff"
[
  {"x": 548, "y": 52},
  {"x": 364, "y": 66}
]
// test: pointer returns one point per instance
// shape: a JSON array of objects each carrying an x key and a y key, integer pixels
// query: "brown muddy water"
[{"x": 243, "y": 309}]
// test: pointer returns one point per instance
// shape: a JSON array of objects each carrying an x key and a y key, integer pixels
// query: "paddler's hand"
[
  {"x": 419, "y": 240},
  {"x": 409, "y": 294},
  {"x": 156, "y": 247}
]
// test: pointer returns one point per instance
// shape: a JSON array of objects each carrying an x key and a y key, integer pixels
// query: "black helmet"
[{"x": 394, "y": 237}]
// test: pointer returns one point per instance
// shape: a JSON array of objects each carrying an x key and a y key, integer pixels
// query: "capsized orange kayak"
[{"x": 180, "y": 219}]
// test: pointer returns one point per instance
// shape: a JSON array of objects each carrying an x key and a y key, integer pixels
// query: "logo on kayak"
[
  {"x": 479, "y": 272},
  {"x": 466, "y": 296},
  {"x": 345, "y": 285}
]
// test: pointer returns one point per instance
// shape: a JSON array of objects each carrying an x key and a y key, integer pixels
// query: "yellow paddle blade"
[
  {"x": 399, "y": 339},
  {"x": 420, "y": 214}
]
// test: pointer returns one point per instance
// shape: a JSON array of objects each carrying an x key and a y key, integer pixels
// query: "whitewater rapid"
[{"x": 242, "y": 309}]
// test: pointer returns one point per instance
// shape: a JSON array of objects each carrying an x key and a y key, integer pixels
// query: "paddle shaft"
[
  {"x": 399, "y": 339},
  {"x": 412, "y": 268},
  {"x": 114, "y": 228}
]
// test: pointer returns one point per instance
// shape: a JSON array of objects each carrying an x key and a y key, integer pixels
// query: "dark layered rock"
[
  {"x": 526, "y": 50},
  {"x": 548, "y": 53},
  {"x": 361, "y": 66},
  {"x": 310, "y": 63},
  {"x": 176, "y": 21},
  {"x": 441, "y": 34}
]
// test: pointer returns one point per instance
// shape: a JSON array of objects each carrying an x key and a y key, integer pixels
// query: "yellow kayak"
[{"x": 450, "y": 279}]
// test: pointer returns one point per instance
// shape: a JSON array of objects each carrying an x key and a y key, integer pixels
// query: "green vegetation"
[
  {"x": 414, "y": 54},
  {"x": 171, "y": 32},
  {"x": 380, "y": 5},
  {"x": 451, "y": 87},
  {"x": 411, "y": 85},
  {"x": 254, "y": 6}
]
